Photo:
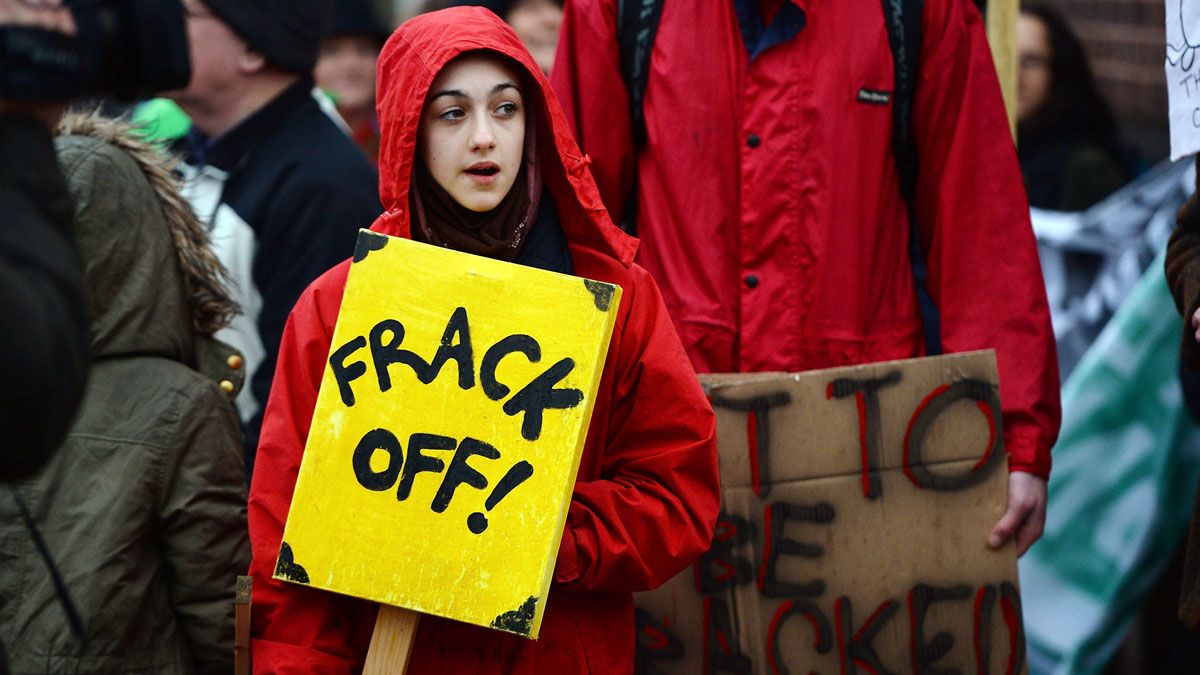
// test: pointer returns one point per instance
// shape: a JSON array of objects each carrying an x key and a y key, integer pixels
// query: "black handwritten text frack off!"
[
  {"x": 827, "y": 557},
  {"x": 383, "y": 352}
]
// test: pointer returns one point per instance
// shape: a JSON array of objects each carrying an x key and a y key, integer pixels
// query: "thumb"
[{"x": 1006, "y": 527}]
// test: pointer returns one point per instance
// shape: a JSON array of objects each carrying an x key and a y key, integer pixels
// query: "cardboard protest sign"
[
  {"x": 447, "y": 433},
  {"x": 852, "y": 536},
  {"x": 1183, "y": 76}
]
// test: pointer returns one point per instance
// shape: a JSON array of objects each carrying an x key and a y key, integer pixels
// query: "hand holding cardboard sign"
[{"x": 1026, "y": 515}]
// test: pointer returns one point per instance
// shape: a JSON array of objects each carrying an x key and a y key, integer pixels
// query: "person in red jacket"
[
  {"x": 471, "y": 134},
  {"x": 769, "y": 205}
]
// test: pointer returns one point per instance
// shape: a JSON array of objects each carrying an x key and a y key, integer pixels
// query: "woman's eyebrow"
[{"x": 458, "y": 93}]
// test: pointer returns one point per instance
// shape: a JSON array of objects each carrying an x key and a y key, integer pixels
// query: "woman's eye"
[
  {"x": 452, "y": 114},
  {"x": 506, "y": 109}
]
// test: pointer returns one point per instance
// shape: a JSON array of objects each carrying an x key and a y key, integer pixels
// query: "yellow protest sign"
[{"x": 447, "y": 433}]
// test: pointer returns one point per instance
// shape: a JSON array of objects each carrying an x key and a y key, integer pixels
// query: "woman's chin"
[
  {"x": 479, "y": 204},
  {"x": 482, "y": 196}
]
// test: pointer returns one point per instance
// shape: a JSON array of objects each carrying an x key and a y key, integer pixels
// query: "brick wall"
[{"x": 1125, "y": 41}]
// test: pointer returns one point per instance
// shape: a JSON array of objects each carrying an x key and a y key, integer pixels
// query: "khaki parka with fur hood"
[{"x": 144, "y": 507}]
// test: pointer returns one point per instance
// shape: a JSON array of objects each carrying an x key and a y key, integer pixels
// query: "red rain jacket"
[
  {"x": 769, "y": 202},
  {"x": 647, "y": 494}
]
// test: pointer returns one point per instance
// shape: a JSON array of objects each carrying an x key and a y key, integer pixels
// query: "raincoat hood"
[{"x": 408, "y": 65}]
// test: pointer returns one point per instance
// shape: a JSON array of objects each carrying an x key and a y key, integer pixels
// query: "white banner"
[{"x": 1183, "y": 75}]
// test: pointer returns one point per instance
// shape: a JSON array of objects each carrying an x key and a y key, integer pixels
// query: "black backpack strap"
[
  {"x": 637, "y": 26},
  {"x": 903, "y": 20},
  {"x": 56, "y": 579}
]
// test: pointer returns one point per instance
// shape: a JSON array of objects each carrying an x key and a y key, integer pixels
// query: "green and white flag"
[{"x": 1125, "y": 472}]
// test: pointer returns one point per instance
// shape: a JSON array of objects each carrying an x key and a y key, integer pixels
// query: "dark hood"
[{"x": 408, "y": 64}]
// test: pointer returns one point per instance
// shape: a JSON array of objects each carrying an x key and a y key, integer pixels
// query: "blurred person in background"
[
  {"x": 536, "y": 23},
  {"x": 144, "y": 505},
  {"x": 346, "y": 68},
  {"x": 1069, "y": 146},
  {"x": 771, "y": 201},
  {"x": 281, "y": 188},
  {"x": 44, "y": 333},
  {"x": 1183, "y": 275}
]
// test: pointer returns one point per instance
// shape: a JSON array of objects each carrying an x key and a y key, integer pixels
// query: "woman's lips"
[{"x": 483, "y": 172}]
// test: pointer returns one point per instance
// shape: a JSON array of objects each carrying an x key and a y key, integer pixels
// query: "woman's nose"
[{"x": 483, "y": 137}]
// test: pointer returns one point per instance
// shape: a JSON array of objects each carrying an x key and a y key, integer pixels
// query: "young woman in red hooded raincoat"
[{"x": 476, "y": 155}]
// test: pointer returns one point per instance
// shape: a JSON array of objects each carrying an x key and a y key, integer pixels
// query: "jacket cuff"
[
  {"x": 280, "y": 658},
  {"x": 1028, "y": 455},
  {"x": 566, "y": 566}
]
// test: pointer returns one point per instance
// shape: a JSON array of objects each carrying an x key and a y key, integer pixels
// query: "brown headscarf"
[{"x": 499, "y": 233}]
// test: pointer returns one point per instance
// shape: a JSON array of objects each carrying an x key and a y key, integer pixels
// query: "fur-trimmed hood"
[{"x": 153, "y": 284}]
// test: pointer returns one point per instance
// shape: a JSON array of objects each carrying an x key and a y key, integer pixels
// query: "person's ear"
[{"x": 251, "y": 61}]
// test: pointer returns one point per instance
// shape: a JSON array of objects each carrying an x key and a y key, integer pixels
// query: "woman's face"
[
  {"x": 1034, "y": 79},
  {"x": 346, "y": 68},
  {"x": 472, "y": 136},
  {"x": 536, "y": 23}
]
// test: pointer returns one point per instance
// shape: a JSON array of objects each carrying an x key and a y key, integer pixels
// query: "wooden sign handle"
[
  {"x": 241, "y": 622},
  {"x": 392, "y": 641}
]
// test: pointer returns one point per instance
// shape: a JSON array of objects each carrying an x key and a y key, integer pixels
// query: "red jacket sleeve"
[
  {"x": 653, "y": 510},
  {"x": 297, "y": 629},
  {"x": 591, "y": 88},
  {"x": 984, "y": 272}
]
